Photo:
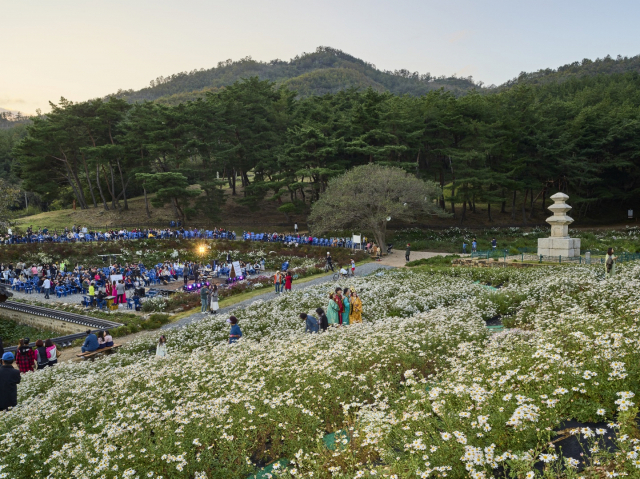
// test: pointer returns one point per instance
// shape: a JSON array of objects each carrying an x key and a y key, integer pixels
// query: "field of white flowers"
[{"x": 421, "y": 388}]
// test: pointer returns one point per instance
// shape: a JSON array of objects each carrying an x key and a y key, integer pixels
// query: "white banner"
[
  {"x": 237, "y": 268},
  {"x": 115, "y": 277}
]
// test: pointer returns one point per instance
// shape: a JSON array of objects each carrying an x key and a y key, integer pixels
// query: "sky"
[{"x": 79, "y": 49}]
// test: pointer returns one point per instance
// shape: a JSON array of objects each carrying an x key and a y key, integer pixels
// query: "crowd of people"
[
  {"x": 45, "y": 354},
  {"x": 84, "y": 234}
]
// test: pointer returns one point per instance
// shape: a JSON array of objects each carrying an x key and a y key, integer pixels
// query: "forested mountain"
[
  {"x": 506, "y": 149},
  {"x": 578, "y": 69},
  {"x": 327, "y": 70}
]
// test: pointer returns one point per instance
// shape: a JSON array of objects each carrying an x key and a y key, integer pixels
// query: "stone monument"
[{"x": 559, "y": 244}]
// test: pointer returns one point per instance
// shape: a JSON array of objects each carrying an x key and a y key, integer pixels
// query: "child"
[
  {"x": 353, "y": 267},
  {"x": 161, "y": 348},
  {"x": 234, "y": 333}
]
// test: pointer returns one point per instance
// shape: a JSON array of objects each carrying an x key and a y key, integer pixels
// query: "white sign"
[
  {"x": 357, "y": 239},
  {"x": 630, "y": 213},
  {"x": 237, "y": 268},
  {"x": 115, "y": 277}
]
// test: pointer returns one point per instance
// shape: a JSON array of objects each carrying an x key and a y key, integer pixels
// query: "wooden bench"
[{"x": 98, "y": 352}]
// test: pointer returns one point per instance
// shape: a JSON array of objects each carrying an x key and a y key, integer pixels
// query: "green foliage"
[
  {"x": 11, "y": 332},
  {"x": 435, "y": 261},
  {"x": 504, "y": 152},
  {"x": 368, "y": 197}
]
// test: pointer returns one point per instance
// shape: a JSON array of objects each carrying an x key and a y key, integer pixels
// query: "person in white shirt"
[{"x": 47, "y": 287}]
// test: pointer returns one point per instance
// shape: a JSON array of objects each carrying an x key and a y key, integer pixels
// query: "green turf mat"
[
  {"x": 495, "y": 329},
  {"x": 332, "y": 440},
  {"x": 267, "y": 471}
]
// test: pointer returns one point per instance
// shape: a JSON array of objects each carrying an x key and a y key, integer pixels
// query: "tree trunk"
[
  {"x": 464, "y": 211},
  {"x": 442, "y": 203},
  {"x": 524, "y": 208},
  {"x": 544, "y": 199},
  {"x": 232, "y": 182},
  {"x": 112, "y": 193},
  {"x": 104, "y": 201},
  {"x": 380, "y": 234},
  {"x": 513, "y": 206},
  {"x": 146, "y": 201},
  {"x": 86, "y": 172},
  {"x": 489, "y": 211},
  {"x": 73, "y": 187},
  {"x": 113, "y": 189},
  {"x": 453, "y": 195},
  {"x": 124, "y": 187},
  {"x": 176, "y": 210},
  {"x": 531, "y": 204}
]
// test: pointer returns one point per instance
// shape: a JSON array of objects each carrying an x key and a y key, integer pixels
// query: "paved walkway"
[{"x": 363, "y": 270}]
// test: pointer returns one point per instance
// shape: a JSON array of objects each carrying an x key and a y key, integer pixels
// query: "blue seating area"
[
  {"x": 129, "y": 235},
  {"x": 301, "y": 240}
]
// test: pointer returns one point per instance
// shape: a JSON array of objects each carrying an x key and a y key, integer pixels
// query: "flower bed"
[{"x": 421, "y": 387}]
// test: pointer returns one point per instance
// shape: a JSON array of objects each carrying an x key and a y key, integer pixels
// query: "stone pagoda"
[{"x": 559, "y": 244}]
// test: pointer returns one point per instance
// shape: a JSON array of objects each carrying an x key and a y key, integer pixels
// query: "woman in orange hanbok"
[{"x": 355, "y": 315}]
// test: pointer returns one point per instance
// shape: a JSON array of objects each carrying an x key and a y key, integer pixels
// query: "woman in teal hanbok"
[
  {"x": 347, "y": 307},
  {"x": 333, "y": 315}
]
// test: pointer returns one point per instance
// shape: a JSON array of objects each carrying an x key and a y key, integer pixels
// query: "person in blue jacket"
[
  {"x": 311, "y": 325},
  {"x": 234, "y": 332},
  {"x": 90, "y": 342}
]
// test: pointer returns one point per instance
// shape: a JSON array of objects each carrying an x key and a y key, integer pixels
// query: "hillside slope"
[
  {"x": 325, "y": 70},
  {"x": 578, "y": 69}
]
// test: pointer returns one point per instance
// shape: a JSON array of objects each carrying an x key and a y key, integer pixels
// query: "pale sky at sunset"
[{"x": 89, "y": 48}]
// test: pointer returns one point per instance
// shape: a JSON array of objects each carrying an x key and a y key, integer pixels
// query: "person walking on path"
[
  {"x": 311, "y": 323},
  {"x": 287, "y": 282},
  {"x": 355, "y": 315},
  {"x": 213, "y": 299},
  {"x": 353, "y": 267},
  {"x": 322, "y": 319},
  {"x": 276, "y": 281},
  {"x": 234, "y": 333},
  {"x": 329, "y": 262},
  {"x": 407, "y": 252},
  {"x": 161, "y": 347},
  {"x": 610, "y": 263},
  {"x": 474, "y": 245},
  {"x": 333, "y": 311},
  {"x": 46, "y": 284},
  {"x": 9, "y": 380},
  {"x": 204, "y": 297},
  {"x": 494, "y": 243}
]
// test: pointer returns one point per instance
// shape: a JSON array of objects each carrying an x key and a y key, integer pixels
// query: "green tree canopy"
[{"x": 368, "y": 197}]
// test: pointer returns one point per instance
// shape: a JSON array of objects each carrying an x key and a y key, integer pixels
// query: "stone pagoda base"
[
  {"x": 559, "y": 244},
  {"x": 565, "y": 247}
]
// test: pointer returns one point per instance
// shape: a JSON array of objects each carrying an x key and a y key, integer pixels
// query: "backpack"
[{"x": 609, "y": 264}]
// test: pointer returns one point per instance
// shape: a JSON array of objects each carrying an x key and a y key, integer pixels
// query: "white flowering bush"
[{"x": 420, "y": 387}]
